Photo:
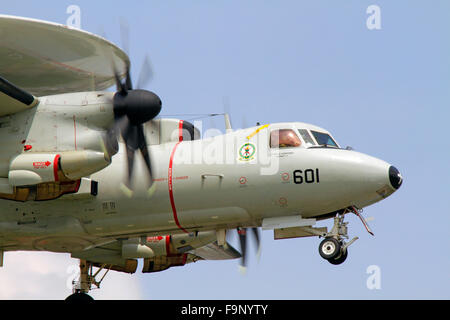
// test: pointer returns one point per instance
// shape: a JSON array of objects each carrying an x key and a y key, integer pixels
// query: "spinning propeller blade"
[
  {"x": 146, "y": 73},
  {"x": 243, "y": 232},
  {"x": 132, "y": 108}
]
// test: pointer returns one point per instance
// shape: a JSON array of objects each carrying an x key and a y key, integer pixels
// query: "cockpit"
[
  {"x": 284, "y": 138},
  {"x": 301, "y": 137}
]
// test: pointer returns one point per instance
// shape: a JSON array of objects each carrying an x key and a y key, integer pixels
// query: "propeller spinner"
[{"x": 132, "y": 108}]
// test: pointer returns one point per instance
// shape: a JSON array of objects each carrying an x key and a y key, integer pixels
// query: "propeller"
[
  {"x": 242, "y": 233},
  {"x": 132, "y": 108}
]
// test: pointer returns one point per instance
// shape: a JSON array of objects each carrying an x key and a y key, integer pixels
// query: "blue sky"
[{"x": 383, "y": 92}]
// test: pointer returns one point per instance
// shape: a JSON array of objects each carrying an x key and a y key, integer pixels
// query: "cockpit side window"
[{"x": 284, "y": 138}]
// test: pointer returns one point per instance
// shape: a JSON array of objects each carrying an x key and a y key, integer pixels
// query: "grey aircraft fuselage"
[{"x": 232, "y": 180}]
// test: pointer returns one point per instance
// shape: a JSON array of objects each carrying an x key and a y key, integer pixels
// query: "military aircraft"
[{"x": 97, "y": 174}]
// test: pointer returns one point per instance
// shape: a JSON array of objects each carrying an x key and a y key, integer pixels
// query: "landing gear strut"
[
  {"x": 333, "y": 248},
  {"x": 82, "y": 287}
]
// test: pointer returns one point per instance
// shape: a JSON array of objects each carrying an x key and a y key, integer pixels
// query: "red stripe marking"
[
  {"x": 180, "y": 131},
  {"x": 55, "y": 167},
  {"x": 362, "y": 220},
  {"x": 172, "y": 202},
  {"x": 168, "y": 246},
  {"x": 77, "y": 187}
]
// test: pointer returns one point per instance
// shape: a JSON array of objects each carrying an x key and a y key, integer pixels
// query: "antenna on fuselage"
[
  {"x": 226, "y": 116},
  {"x": 228, "y": 127}
]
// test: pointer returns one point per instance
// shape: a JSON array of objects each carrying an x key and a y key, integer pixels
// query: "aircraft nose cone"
[{"x": 395, "y": 177}]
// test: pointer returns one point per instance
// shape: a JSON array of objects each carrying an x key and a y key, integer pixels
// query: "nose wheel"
[
  {"x": 339, "y": 259},
  {"x": 329, "y": 248},
  {"x": 332, "y": 250}
]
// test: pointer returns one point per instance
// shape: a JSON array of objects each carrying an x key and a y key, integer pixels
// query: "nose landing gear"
[
  {"x": 82, "y": 287},
  {"x": 333, "y": 248}
]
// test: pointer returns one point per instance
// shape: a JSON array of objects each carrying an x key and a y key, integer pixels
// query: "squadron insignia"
[{"x": 247, "y": 152}]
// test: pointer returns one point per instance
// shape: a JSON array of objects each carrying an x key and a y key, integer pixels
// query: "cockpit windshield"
[
  {"x": 324, "y": 139},
  {"x": 306, "y": 137}
]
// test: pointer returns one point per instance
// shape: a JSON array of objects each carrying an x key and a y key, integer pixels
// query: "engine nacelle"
[
  {"x": 34, "y": 168},
  {"x": 78, "y": 164},
  {"x": 163, "y": 252},
  {"x": 129, "y": 266},
  {"x": 169, "y": 245},
  {"x": 132, "y": 250},
  {"x": 161, "y": 263},
  {"x": 172, "y": 251},
  {"x": 179, "y": 243}
]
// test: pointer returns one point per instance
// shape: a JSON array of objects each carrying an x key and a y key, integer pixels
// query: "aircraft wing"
[
  {"x": 213, "y": 251},
  {"x": 45, "y": 58},
  {"x": 109, "y": 255},
  {"x": 14, "y": 99}
]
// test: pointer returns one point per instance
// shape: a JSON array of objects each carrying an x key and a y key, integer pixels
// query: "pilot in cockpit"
[{"x": 284, "y": 138}]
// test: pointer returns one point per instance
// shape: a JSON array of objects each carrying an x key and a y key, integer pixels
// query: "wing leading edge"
[{"x": 13, "y": 99}]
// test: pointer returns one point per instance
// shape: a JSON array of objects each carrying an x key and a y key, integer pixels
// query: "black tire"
[
  {"x": 339, "y": 259},
  {"x": 79, "y": 297},
  {"x": 329, "y": 248}
]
